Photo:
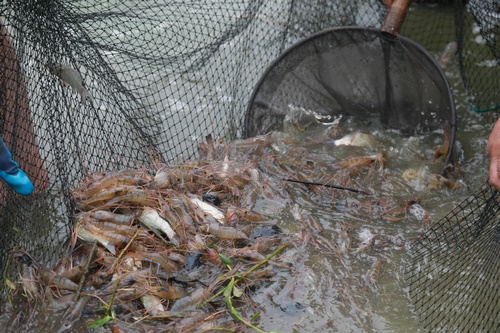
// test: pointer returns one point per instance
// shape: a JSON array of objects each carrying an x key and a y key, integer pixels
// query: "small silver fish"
[
  {"x": 357, "y": 139},
  {"x": 448, "y": 53},
  {"x": 208, "y": 209},
  {"x": 70, "y": 77},
  {"x": 152, "y": 305},
  {"x": 152, "y": 219}
]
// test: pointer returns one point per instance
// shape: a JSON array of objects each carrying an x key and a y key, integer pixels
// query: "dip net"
[{"x": 155, "y": 78}]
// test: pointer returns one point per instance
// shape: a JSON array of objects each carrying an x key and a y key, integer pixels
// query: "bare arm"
[
  {"x": 388, "y": 3},
  {"x": 494, "y": 151}
]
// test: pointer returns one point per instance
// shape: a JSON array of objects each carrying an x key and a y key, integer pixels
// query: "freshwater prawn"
[
  {"x": 52, "y": 279},
  {"x": 225, "y": 232},
  {"x": 112, "y": 179},
  {"x": 28, "y": 280},
  {"x": 379, "y": 159},
  {"x": 371, "y": 278},
  {"x": 73, "y": 314}
]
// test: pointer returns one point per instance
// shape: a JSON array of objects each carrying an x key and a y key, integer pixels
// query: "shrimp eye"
[{"x": 210, "y": 198}]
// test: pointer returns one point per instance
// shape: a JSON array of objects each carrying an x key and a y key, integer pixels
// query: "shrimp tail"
[{"x": 85, "y": 96}]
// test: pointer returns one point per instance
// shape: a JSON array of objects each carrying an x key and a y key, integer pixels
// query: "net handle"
[{"x": 395, "y": 18}]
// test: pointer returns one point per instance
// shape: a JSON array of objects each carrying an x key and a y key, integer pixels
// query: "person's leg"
[
  {"x": 17, "y": 129},
  {"x": 11, "y": 174}
]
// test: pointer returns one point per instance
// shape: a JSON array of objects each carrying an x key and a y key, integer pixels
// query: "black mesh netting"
[
  {"x": 159, "y": 76},
  {"x": 480, "y": 71},
  {"x": 453, "y": 274},
  {"x": 354, "y": 72}
]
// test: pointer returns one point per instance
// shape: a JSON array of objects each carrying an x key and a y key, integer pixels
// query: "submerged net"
[
  {"x": 158, "y": 77},
  {"x": 453, "y": 273},
  {"x": 480, "y": 30}
]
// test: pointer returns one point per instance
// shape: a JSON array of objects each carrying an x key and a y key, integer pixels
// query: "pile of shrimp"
[
  {"x": 154, "y": 247},
  {"x": 158, "y": 247}
]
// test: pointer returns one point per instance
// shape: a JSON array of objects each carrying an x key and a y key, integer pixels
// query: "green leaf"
[
  {"x": 229, "y": 289},
  {"x": 10, "y": 284},
  {"x": 225, "y": 260},
  {"x": 255, "y": 316},
  {"x": 237, "y": 292},
  {"x": 100, "y": 322}
]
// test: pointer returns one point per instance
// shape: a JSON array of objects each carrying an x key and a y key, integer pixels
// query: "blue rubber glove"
[{"x": 11, "y": 174}]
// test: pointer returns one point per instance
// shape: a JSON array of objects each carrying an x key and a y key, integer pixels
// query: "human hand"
[
  {"x": 388, "y": 3},
  {"x": 494, "y": 151},
  {"x": 11, "y": 174}
]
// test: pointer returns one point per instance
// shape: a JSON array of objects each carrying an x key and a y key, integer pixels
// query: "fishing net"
[
  {"x": 479, "y": 30},
  {"x": 357, "y": 73},
  {"x": 453, "y": 274},
  {"x": 146, "y": 81}
]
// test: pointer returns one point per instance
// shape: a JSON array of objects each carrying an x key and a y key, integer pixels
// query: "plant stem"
[
  {"x": 243, "y": 275},
  {"x": 123, "y": 252},
  {"x": 85, "y": 271}
]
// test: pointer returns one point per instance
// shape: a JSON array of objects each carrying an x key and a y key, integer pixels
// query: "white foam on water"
[{"x": 418, "y": 211}]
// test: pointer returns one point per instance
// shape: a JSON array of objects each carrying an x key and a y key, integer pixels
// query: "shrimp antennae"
[{"x": 326, "y": 185}]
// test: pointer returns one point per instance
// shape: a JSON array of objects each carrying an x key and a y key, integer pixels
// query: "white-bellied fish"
[
  {"x": 371, "y": 278},
  {"x": 70, "y": 77},
  {"x": 448, "y": 53},
  {"x": 152, "y": 305},
  {"x": 357, "y": 139},
  {"x": 208, "y": 209},
  {"x": 152, "y": 219}
]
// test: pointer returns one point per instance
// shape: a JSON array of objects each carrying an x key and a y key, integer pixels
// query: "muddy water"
[
  {"x": 348, "y": 276},
  {"x": 347, "y": 273},
  {"x": 327, "y": 290}
]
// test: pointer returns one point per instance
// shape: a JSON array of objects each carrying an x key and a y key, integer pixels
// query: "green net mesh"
[{"x": 159, "y": 76}]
